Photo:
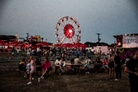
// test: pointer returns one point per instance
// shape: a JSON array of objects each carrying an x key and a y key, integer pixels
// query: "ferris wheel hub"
[{"x": 69, "y": 31}]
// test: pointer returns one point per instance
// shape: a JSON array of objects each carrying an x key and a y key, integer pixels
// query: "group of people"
[
  {"x": 32, "y": 66},
  {"x": 112, "y": 63}
]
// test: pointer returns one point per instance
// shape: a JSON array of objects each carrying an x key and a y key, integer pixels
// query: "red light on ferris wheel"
[{"x": 70, "y": 31}]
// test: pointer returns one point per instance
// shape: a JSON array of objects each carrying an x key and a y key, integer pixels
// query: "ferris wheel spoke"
[
  {"x": 72, "y": 23},
  {"x": 62, "y": 40},
  {"x": 63, "y": 22},
  {"x": 60, "y": 28},
  {"x": 71, "y": 40},
  {"x": 62, "y": 25},
  {"x": 62, "y": 37}
]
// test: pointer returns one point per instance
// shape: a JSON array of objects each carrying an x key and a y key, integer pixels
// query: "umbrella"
[
  {"x": 42, "y": 44},
  {"x": 67, "y": 45},
  {"x": 77, "y": 45},
  {"x": 16, "y": 43},
  {"x": 57, "y": 45}
]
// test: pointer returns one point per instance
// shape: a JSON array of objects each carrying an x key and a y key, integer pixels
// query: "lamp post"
[
  {"x": 99, "y": 39},
  {"x": 27, "y": 38},
  {"x": 42, "y": 39}
]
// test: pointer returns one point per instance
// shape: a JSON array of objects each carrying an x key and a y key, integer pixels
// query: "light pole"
[
  {"x": 27, "y": 38},
  {"x": 42, "y": 39},
  {"x": 99, "y": 39}
]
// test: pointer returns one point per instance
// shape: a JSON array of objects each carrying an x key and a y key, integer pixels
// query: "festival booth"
[
  {"x": 101, "y": 50},
  {"x": 127, "y": 44}
]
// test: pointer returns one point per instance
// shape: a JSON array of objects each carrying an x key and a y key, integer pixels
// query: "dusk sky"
[{"x": 39, "y": 17}]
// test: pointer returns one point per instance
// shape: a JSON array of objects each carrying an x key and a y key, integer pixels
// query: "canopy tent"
[
  {"x": 69, "y": 45},
  {"x": 57, "y": 45},
  {"x": 42, "y": 44},
  {"x": 78, "y": 45},
  {"x": 3, "y": 43},
  {"x": 16, "y": 43},
  {"x": 26, "y": 45}
]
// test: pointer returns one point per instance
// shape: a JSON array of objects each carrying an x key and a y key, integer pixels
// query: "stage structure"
[{"x": 68, "y": 30}]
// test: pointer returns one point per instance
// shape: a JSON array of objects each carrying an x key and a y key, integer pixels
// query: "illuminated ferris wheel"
[{"x": 68, "y": 30}]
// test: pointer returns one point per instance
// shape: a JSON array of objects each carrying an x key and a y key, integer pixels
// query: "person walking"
[
  {"x": 132, "y": 69},
  {"x": 22, "y": 67},
  {"x": 45, "y": 68},
  {"x": 32, "y": 69}
]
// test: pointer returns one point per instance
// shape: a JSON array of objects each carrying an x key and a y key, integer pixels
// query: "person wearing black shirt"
[
  {"x": 118, "y": 69},
  {"x": 132, "y": 69}
]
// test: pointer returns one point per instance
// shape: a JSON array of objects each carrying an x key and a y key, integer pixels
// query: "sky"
[{"x": 39, "y": 17}]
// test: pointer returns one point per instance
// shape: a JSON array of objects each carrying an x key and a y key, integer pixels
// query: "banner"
[{"x": 130, "y": 40}]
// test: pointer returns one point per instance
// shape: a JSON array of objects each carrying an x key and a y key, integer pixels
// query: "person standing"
[
  {"x": 132, "y": 69},
  {"x": 118, "y": 65},
  {"x": 111, "y": 66},
  {"x": 98, "y": 65},
  {"x": 32, "y": 69}
]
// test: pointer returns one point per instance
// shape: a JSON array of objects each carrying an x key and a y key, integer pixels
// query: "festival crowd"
[{"x": 41, "y": 61}]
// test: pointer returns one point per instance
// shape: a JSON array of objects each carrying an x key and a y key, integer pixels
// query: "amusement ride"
[{"x": 68, "y": 30}]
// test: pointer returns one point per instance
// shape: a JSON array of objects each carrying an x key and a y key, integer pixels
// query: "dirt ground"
[{"x": 100, "y": 82}]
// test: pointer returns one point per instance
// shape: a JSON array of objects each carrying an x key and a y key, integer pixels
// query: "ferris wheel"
[{"x": 68, "y": 30}]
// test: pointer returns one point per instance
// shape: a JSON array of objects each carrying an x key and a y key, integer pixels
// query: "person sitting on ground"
[{"x": 22, "y": 66}]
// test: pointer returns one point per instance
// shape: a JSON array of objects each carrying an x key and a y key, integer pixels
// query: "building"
[{"x": 9, "y": 38}]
